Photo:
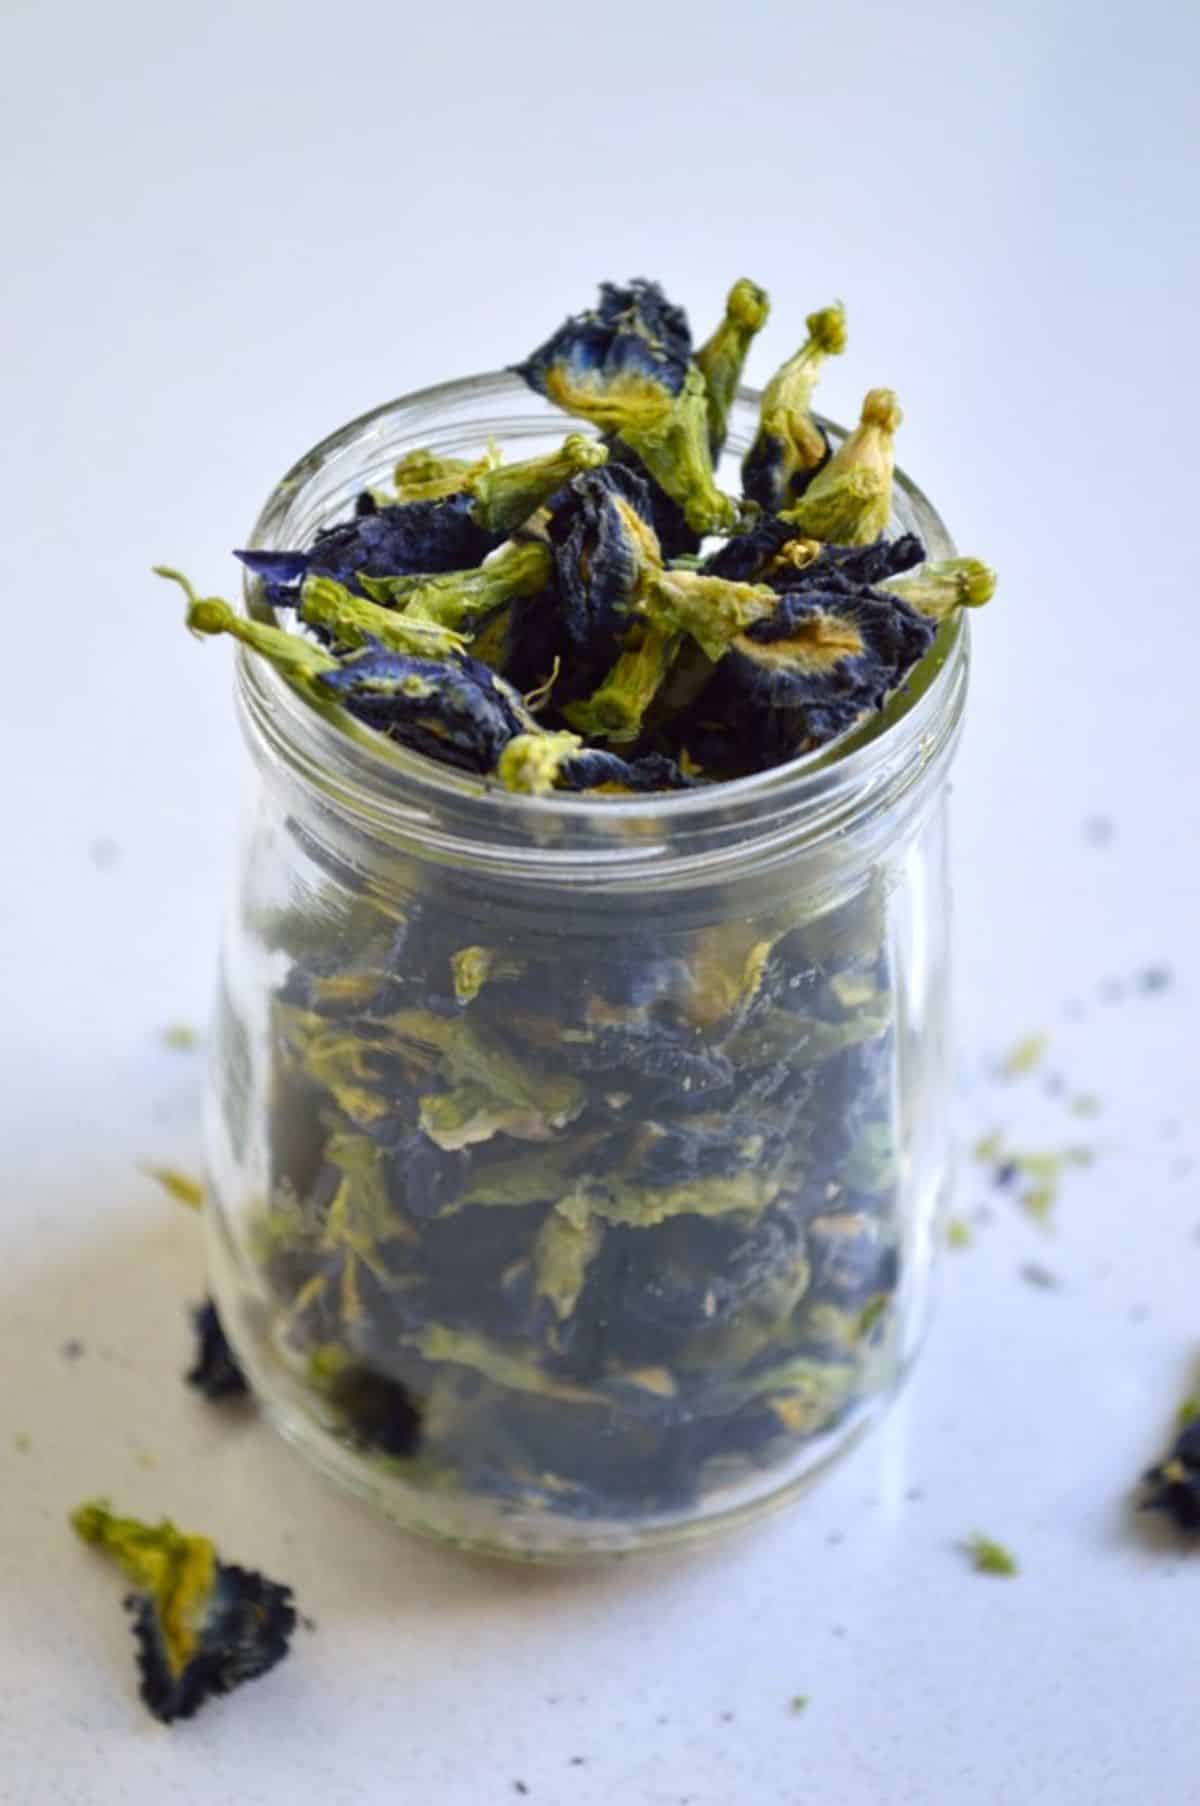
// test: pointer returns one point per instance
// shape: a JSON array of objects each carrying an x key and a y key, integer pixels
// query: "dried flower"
[
  {"x": 202, "y": 1627},
  {"x": 850, "y": 499},
  {"x": 722, "y": 356},
  {"x": 790, "y": 447}
]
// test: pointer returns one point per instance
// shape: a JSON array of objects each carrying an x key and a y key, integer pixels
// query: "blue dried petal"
[
  {"x": 694, "y": 1274},
  {"x": 215, "y": 1371},
  {"x": 850, "y": 1258},
  {"x": 764, "y": 478},
  {"x": 825, "y": 657},
  {"x": 593, "y": 769},
  {"x": 454, "y": 710},
  {"x": 378, "y": 1411},
  {"x": 424, "y": 1176},
  {"x": 246, "y": 1627},
  {"x": 1173, "y": 1485},
  {"x": 675, "y": 537},
  {"x": 396, "y": 541},
  {"x": 746, "y": 558},
  {"x": 598, "y": 555},
  {"x": 632, "y": 348},
  {"x": 278, "y": 567}
]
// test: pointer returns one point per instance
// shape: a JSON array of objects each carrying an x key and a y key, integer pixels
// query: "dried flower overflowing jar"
[{"x": 576, "y": 1160}]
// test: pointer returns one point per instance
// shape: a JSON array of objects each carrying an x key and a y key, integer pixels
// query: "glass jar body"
[{"x": 575, "y": 1190}]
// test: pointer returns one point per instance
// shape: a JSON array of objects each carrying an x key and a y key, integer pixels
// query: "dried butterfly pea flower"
[
  {"x": 625, "y": 367},
  {"x": 623, "y": 360},
  {"x": 642, "y": 1206},
  {"x": 532, "y": 764},
  {"x": 937, "y": 589},
  {"x": 215, "y": 1371},
  {"x": 849, "y": 501},
  {"x": 505, "y": 496},
  {"x": 604, "y": 774},
  {"x": 427, "y": 537},
  {"x": 790, "y": 447},
  {"x": 297, "y": 659},
  {"x": 1173, "y": 1484},
  {"x": 346, "y": 620},
  {"x": 457, "y": 711},
  {"x": 603, "y": 545},
  {"x": 675, "y": 537},
  {"x": 475, "y": 966},
  {"x": 202, "y": 1626},
  {"x": 421, "y": 476},
  {"x": 674, "y": 449},
  {"x": 710, "y": 609},
  {"x": 615, "y": 711},
  {"x": 722, "y": 357},
  {"x": 406, "y": 536},
  {"x": 563, "y": 1250},
  {"x": 771, "y": 552},
  {"x": 462, "y": 600},
  {"x": 539, "y": 763},
  {"x": 817, "y": 664},
  {"x": 376, "y": 1410}
]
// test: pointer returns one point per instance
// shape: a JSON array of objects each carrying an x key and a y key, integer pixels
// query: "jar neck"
[{"x": 366, "y": 799}]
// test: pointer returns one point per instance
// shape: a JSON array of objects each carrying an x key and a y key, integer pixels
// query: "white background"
[{"x": 226, "y": 229}]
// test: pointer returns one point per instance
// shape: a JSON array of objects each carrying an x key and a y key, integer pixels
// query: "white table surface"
[{"x": 229, "y": 228}]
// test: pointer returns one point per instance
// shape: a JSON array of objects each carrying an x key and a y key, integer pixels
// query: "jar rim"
[{"x": 399, "y": 792}]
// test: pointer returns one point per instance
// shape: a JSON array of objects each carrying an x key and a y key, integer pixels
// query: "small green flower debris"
[
  {"x": 987, "y": 1556},
  {"x": 183, "y": 1187},
  {"x": 1025, "y": 1056}
]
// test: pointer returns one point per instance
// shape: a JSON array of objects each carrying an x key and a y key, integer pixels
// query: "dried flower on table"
[
  {"x": 202, "y": 1627},
  {"x": 790, "y": 447},
  {"x": 215, "y": 1371},
  {"x": 1173, "y": 1484}
]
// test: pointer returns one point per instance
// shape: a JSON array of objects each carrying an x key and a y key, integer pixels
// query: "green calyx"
[
  {"x": 353, "y": 620},
  {"x": 849, "y": 501},
  {"x": 463, "y": 600},
  {"x": 175, "y": 1570},
  {"x": 508, "y": 494},
  {"x": 938, "y": 589},
  {"x": 674, "y": 446},
  {"x": 421, "y": 476},
  {"x": 293, "y": 656},
  {"x": 789, "y": 439},
  {"x": 531, "y": 763},
  {"x": 722, "y": 357},
  {"x": 712, "y": 610},
  {"x": 616, "y": 710},
  {"x": 563, "y": 1249}
]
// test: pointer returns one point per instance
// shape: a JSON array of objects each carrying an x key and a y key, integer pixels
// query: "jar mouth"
[{"x": 395, "y": 791}]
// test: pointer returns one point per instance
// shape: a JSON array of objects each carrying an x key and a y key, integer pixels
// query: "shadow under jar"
[{"x": 576, "y": 1161}]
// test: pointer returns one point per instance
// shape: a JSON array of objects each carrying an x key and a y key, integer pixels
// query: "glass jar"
[{"x": 576, "y": 1161}]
